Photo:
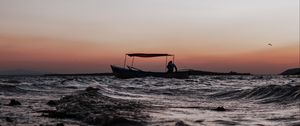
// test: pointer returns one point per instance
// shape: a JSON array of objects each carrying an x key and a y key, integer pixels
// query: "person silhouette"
[{"x": 171, "y": 67}]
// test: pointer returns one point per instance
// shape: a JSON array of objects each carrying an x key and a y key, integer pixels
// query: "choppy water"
[{"x": 250, "y": 100}]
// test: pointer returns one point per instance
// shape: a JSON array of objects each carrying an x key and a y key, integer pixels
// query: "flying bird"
[{"x": 270, "y": 44}]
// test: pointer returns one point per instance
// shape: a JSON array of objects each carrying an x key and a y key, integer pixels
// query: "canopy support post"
[
  {"x": 125, "y": 60},
  {"x": 132, "y": 61},
  {"x": 166, "y": 63}
]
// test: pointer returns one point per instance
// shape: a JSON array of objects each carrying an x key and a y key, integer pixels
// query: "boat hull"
[{"x": 120, "y": 72}]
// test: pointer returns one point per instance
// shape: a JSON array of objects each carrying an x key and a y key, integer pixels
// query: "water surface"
[{"x": 249, "y": 100}]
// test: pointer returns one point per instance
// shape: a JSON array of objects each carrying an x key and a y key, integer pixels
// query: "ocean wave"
[
  {"x": 264, "y": 94},
  {"x": 11, "y": 88},
  {"x": 92, "y": 107}
]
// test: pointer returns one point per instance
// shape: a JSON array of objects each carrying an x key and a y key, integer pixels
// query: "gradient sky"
[{"x": 73, "y": 36}]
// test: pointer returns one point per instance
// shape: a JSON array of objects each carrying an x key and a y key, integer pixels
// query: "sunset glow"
[{"x": 215, "y": 35}]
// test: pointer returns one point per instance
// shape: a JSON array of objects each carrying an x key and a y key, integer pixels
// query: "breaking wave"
[{"x": 264, "y": 94}]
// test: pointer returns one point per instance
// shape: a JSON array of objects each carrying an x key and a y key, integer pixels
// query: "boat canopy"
[{"x": 146, "y": 55}]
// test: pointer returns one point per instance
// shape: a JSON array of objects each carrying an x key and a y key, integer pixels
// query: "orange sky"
[
  {"x": 55, "y": 55},
  {"x": 214, "y": 35}
]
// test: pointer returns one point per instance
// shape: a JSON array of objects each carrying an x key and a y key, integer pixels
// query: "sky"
[{"x": 75, "y": 36}]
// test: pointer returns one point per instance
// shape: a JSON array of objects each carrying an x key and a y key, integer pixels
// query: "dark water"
[{"x": 250, "y": 100}]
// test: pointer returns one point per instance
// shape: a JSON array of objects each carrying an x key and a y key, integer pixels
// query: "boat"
[{"x": 126, "y": 71}]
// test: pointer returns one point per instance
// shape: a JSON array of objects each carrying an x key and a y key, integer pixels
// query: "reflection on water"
[{"x": 249, "y": 100}]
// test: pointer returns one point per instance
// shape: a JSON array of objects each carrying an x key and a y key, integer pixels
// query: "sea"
[{"x": 261, "y": 100}]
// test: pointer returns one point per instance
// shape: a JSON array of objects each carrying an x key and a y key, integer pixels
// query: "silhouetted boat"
[{"x": 131, "y": 72}]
